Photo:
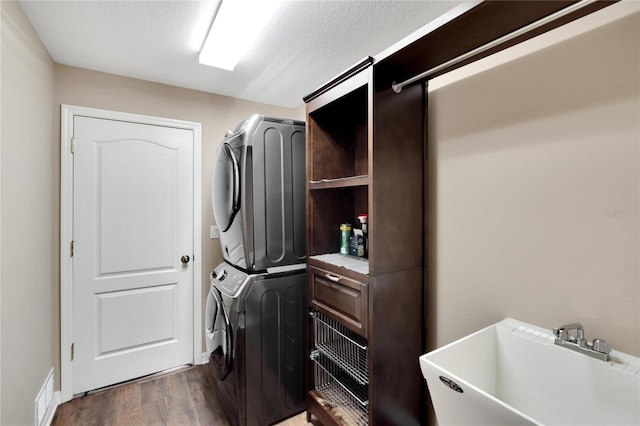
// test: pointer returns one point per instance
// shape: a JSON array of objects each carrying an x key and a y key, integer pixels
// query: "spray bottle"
[{"x": 364, "y": 218}]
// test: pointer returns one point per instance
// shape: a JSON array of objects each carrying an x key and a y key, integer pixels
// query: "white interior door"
[{"x": 132, "y": 224}]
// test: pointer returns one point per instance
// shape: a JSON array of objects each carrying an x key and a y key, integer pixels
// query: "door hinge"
[
  {"x": 72, "y": 248},
  {"x": 73, "y": 351},
  {"x": 73, "y": 145}
]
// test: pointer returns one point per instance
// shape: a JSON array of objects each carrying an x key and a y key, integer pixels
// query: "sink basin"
[{"x": 511, "y": 373}]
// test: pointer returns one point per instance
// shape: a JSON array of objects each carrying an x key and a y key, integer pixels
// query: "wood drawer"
[{"x": 342, "y": 298}]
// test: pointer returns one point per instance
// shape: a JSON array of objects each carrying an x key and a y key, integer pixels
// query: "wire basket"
[
  {"x": 339, "y": 393},
  {"x": 342, "y": 347}
]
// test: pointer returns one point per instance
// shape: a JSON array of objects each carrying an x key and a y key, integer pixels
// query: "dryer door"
[
  {"x": 225, "y": 187},
  {"x": 218, "y": 336},
  {"x": 227, "y": 198}
]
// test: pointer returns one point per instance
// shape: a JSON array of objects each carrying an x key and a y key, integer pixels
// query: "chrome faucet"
[
  {"x": 563, "y": 333},
  {"x": 598, "y": 349}
]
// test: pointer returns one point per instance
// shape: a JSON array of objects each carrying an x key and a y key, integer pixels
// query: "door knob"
[{"x": 185, "y": 259}]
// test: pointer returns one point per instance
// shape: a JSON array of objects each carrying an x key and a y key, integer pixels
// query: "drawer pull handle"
[{"x": 333, "y": 278}]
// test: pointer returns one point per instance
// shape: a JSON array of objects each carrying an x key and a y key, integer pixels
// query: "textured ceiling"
[{"x": 303, "y": 46}]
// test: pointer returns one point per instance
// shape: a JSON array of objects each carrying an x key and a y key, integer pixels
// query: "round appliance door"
[
  {"x": 218, "y": 336},
  {"x": 212, "y": 338},
  {"x": 225, "y": 187}
]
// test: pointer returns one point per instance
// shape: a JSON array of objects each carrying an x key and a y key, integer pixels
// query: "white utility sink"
[{"x": 511, "y": 373}]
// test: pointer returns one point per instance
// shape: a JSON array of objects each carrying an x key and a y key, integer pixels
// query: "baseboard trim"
[
  {"x": 44, "y": 403},
  {"x": 204, "y": 359},
  {"x": 51, "y": 410}
]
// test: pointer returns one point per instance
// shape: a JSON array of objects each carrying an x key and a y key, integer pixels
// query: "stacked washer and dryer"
[{"x": 255, "y": 312}]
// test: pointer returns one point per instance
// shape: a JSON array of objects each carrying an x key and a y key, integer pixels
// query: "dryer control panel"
[{"x": 228, "y": 279}]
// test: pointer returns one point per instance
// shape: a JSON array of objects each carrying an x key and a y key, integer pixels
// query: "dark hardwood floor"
[{"x": 182, "y": 398}]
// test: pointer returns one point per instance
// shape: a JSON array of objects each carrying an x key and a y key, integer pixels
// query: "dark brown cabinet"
[
  {"x": 365, "y": 322},
  {"x": 340, "y": 297},
  {"x": 366, "y": 154}
]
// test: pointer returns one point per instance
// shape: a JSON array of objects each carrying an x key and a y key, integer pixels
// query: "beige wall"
[
  {"x": 534, "y": 187},
  {"x": 217, "y": 114},
  {"x": 27, "y": 280},
  {"x": 534, "y": 181},
  {"x": 33, "y": 87}
]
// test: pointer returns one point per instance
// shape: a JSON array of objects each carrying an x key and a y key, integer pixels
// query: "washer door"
[
  {"x": 225, "y": 187},
  {"x": 218, "y": 334},
  {"x": 212, "y": 338}
]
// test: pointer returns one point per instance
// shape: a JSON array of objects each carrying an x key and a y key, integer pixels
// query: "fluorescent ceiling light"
[{"x": 236, "y": 26}]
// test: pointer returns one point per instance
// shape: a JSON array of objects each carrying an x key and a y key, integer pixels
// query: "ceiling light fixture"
[{"x": 235, "y": 27}]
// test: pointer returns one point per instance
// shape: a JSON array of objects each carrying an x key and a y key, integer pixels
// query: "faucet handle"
[
  {"x": 600, "y": 345},
  {"x": 561, "y": 333}
]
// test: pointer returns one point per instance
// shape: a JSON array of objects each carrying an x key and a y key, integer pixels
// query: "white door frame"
[{"x": 68, "y": 112}]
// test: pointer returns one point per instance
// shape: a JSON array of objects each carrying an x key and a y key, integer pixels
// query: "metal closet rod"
[{"x": 397, "y": 87}]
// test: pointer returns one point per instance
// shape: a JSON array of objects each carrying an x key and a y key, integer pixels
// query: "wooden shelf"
[
  {"x": 378, "y": 298},
  {"x": 345, "y": 182},
  {"x": 352, "y": 267},
  {"x": 320, "y": 411}
]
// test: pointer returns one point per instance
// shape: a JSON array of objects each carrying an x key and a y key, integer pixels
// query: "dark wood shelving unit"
[
  {"x": 366, "y": 153},
  {"x": 378, "y": 300}
]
